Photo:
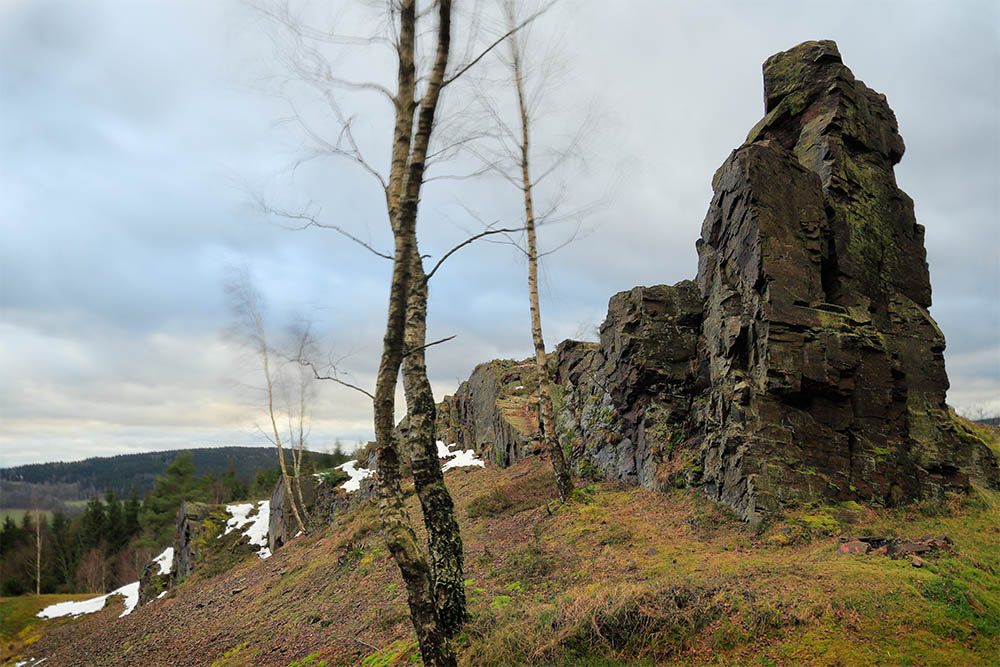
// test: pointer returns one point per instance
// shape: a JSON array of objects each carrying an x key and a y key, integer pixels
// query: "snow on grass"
[
  {"x": 459, "y": 458},
  {"x": 257, "y": 530},
  {"x": 129, "y": 591},
  {"x": 355, "y": 474},
  {"x": 165, "y": 561}
]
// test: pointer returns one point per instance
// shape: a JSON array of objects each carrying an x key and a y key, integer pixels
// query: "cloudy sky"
[{"x": 135, "y": 138}]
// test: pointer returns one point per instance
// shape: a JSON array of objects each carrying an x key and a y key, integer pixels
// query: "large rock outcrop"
[
  {"x": 826, "y": 370},
  {"x": 802, "y": 363}
]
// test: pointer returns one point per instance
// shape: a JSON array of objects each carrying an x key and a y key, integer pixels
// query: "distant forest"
[{"x": 52, "y": 483}]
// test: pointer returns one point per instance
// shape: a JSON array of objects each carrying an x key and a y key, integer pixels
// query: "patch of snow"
[
  {"x": 240, "y": 516},
  {"x": 459, "y": 458},
  {"x": 165, "y": 560},
  {"x": 30, "y": 661},
  {"x": 299, "y": 534},
  {"x": 129, "y": 591},
  {"x": 257, "y": 525},
  {"x": 520, "y": 386},
  {"x": 355, "y": 474},
  {"x": 161, "y": 594},
  {"x": 443, "y": 451},
  {"x": 464, "y": 459}
]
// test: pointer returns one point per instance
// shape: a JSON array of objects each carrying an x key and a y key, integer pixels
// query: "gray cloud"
[{"x": 133, "y": 131}]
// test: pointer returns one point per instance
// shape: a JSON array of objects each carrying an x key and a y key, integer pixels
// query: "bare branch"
[
  {"x": 471, "y": 239},
  {"x": 424, "y": 347},
  {"x": 465, "y": 68},
  {"x": 334, "y": 378},
  {"x": 313, "y": 221}
]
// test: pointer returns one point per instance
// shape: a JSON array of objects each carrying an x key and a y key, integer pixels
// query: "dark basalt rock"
[
  {"x": 277, "y": 527},
  {"x": 492, "y": 412},
  {"x": 152, "y": 583},
  {"x": 827, "y": 373},
  {"x": 626, "y": 401},
  {"x": 802, "y": 363}
]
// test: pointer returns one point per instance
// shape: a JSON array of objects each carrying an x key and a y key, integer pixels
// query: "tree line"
[{"x": 109, "y": 544}]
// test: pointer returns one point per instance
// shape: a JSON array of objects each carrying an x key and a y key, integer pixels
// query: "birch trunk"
[
  {"x": 564, "y": 482},
  {"x": 444, "y": 541},
  {"x": 402, "y": 197}
]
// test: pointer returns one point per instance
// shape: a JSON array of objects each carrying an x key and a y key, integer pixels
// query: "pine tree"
[
  {"x": 160, "y": 509},
  {"x": 115, "y": 516},
  {"x": 94, "y": 524},
  {"x": 132, "y": 509}
]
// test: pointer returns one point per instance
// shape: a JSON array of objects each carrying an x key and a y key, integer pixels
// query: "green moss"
[
  {"x": 400, "y": 652},
  {"x": 311, "y": 660},
  {"x": 822, "y": 524},
  {"x": 501, "y": 602}
]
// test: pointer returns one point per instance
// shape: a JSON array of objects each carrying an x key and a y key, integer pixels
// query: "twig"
[
  {"x": 316, "y": 374},
  {"x": 374, "y": 648},
  {"x": 466, "y": 242},
  {"x": 495, "y": 44},
  {"x": 423, "y": 347}
]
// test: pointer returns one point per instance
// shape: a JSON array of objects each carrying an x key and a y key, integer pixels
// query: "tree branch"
[
  {"x": 497, "y": 43},
  {"x": 466, "y": 242},
  {"x": 424, "y": 347},
  {"x": 333, "y": 378}
]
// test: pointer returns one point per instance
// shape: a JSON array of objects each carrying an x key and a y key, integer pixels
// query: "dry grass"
[{"x": 617, "y": 576}]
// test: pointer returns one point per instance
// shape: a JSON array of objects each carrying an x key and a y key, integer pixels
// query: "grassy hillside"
[{"x": 617, "y": 576}]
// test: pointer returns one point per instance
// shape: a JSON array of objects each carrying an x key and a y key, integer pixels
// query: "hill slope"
[
  {"x": 94, "y": 475},
  {"x": 617, "y": 576}
]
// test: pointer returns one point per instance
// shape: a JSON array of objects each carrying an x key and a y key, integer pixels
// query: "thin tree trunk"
[
  {"x": 297, "y": 452},
  {"x": 402, "y": 196},
  {"x": 444, "y": 540},
  {"x": 38, "y": 552},
  {"x": 277, "y": 436},
  {"x": 564, "y": 482}
]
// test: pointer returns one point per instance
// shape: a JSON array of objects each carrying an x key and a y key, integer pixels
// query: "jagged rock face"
[
  {"x": 625, "y": 402},
  {"x": 152, "y": 583},
  {"x": 827, "y": 373},
  {"x": 492, "y": 412},
  {"x": 802, "y": 364},
  {"x": 201, "y": 543},
  {"x": 277, "y": 528}
]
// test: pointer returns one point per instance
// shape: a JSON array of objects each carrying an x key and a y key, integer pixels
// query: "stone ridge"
[{"x": 802, "y": 363}]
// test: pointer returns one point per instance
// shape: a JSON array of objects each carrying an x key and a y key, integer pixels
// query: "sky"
[{"x": 139, "y": 139}]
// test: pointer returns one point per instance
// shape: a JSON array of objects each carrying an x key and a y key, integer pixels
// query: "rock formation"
[
  {"x": 201, "y": 543},
  {"x": 801, "y": 364}
]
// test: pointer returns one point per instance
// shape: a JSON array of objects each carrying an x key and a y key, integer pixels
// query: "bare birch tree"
[
  {"x": 245, "y": 302},
  {"x": 38, "y": 551},
  {"x": 513, "y": 156},
  {"x": 435, "y": 588}
]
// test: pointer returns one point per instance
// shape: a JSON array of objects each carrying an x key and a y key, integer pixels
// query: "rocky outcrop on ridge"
[{"x": 801, "y": 364}]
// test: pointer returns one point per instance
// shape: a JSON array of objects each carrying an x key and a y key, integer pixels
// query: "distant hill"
[{"x": 81, "y": 479}]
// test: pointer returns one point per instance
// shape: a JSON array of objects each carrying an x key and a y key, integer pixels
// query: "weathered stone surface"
[
  {"x": 277, "y": 527},
  {"x": 493, "y": 412},
  {"x": 802, "y": 363},
  {"x": 201, "y": 544},
  {"x": 854, "y": 547},
  {"x": 827, "y": 373},
  {"x": 152, "y": 583},
  {"x": 625, "y": 403}
]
